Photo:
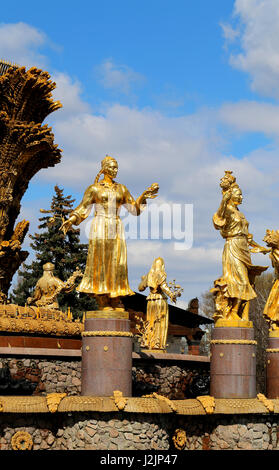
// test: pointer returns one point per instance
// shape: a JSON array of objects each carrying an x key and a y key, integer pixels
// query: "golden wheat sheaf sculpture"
[{"x": 26, "y": 146}]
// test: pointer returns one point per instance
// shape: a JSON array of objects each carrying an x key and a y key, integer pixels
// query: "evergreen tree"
[{"x": 64, "y": 251}]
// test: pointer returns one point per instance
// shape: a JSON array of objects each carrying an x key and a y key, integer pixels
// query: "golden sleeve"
[
  {"x": 133, "y": 206},
  {"x": 82, "y": 211}
]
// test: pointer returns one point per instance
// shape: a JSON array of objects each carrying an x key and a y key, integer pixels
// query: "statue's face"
[
  {"x": 237, "y": 196},
  {"x": 111, "y": 168},
  {"x": 272, "y": 238}
]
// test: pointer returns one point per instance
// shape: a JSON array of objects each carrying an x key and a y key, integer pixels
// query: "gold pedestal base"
[
  {"x": 221, "y": 323},
  {"x": 273, "y": 333}
]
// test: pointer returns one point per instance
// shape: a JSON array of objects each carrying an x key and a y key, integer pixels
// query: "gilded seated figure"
[
  {"x": 234, "y": 289},
  {"x": 155, "y": 328},
  {"x": 49, "y": 286},
  {"x": 106, "y": 273}
]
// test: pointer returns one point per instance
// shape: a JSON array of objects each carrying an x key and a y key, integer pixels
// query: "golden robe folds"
[{"x": 236, "y": 260}]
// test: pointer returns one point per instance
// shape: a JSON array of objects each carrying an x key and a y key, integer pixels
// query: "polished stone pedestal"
[
  {"x": 272, "y": 365},
  {"x": 106, "y": 354},
  {"x": 233, "y": 363}
]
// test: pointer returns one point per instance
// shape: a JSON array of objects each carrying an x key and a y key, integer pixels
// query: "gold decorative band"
[
  {"x": 127, "y": 334},
  {"x": 223, "y": 323},
  {"x": 274, "y": 333},
  {"x": 109, "y": 314},
  {"x": 272, "y": 350},
  {"x": 233, "y": 341}
]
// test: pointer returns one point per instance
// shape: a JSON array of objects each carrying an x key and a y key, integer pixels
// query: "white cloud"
[
  {"x": 229, "y": 33},
  {"x": 120, "y": 78},
  {"x": 19, "y": 43},
  {"x": 156, "y": 146},
  {"x": 258, "y": 35},
  {"x": 69, "y": 92},
  {"x": 252, "y": 116}
]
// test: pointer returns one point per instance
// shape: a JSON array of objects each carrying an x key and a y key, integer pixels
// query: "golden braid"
[{"x": 98, "y": 176}]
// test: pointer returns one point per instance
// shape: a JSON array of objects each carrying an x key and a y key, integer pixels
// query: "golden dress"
[
  {"x": 271, "y": 309},
  {"x": 106, "y": 269},
  {"x": 238, "y": 270},
  {"x": 157, "y": 312}
]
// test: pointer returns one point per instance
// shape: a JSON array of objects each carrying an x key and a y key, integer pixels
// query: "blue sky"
[
  {"x": 178, "y": 91},
  {"x": 175, "y": 48}
]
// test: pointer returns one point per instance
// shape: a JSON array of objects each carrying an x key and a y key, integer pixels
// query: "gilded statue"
[
  {"x": 235, "y": 288},
  {"x": 49, "y": 286},
  {"x": 155, "y": 329},
  {"x": 106, "y": 273},
  {"x": 271, "y": 309}
]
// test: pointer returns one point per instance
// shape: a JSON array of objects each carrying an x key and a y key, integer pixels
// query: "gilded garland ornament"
[
  {"x": 267, "y": 403},
  {"x": 119, "y": 400},
  {"x": 208, "y": 402},
  {"x": 53, "y": 401},
  {"x": 146, "y": 404},
  {"x": 179, "y": 439},
  {"x": 22, "y": 440},
  {"x": 126, "y": 334},
  {"x": 234, "y": 341}
]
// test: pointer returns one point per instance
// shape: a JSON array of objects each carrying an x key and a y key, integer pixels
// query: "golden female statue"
[
  {"x": 155, "y": 328},
  {"x": 234, "y": 289},
  {"x": 106, "y": 273},
  {"x": 271, "y": 309},
  {"x": 49, "y": 286}
]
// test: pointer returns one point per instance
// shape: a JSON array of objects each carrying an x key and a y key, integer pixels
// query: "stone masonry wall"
[
  {"x": 174, "y": 381},
  {"x": 138, "y": 431},
  {"x": 231, "y": 432},
  {"x": 43, "y": 376}
]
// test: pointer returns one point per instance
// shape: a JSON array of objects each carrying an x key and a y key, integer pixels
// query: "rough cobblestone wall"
[
  {"x": 47, "y": 376},
  {"x": 135, "y": 431},
  {"x": 53, "y": 375},
  {"x": 82, "y": 431},
  {"x": 243, "y": 432},
  {"x": 172, "y": 381}
]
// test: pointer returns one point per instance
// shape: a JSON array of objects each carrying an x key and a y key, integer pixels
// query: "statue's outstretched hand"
[
  {"x": 65, "y": 226},
  {"x": 151, "y": 192},
  {"x": 260, "y": 249}
]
